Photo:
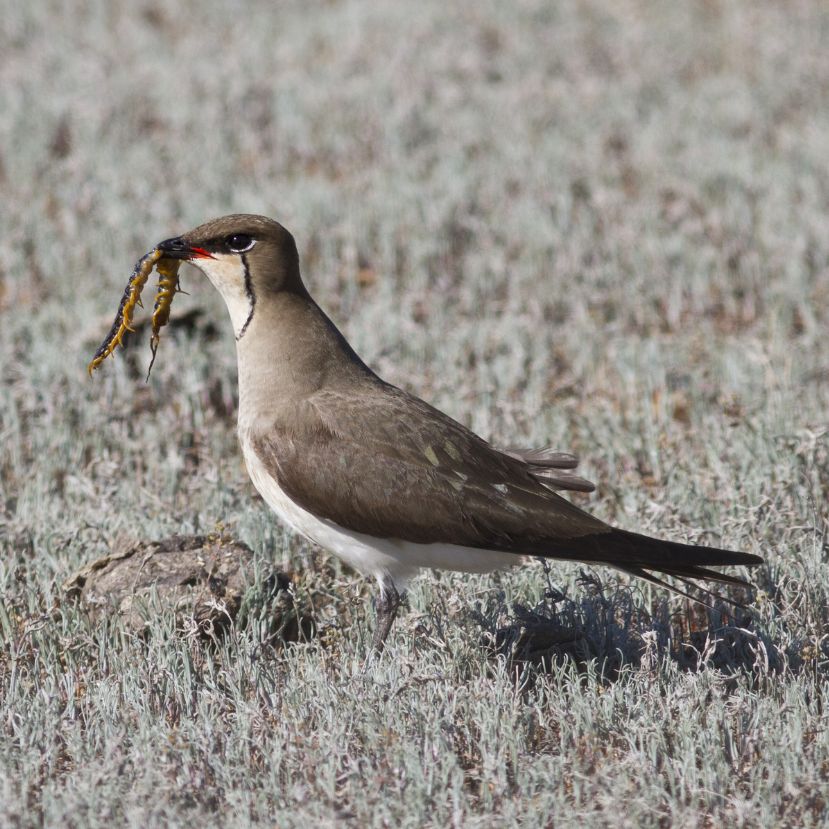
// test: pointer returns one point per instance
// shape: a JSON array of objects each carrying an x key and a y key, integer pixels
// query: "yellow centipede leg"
[
  {"x": 131, "y": 297},
  {"x": 167, "y": 286}
]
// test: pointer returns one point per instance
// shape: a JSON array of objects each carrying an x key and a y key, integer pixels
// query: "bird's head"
[{"x": 245, "y": 257}]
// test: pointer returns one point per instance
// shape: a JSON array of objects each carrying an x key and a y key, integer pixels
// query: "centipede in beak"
[{"x": 167, "y": 286}]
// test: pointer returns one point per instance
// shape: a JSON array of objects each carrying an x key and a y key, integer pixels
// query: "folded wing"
[{"x": 389, "y": 465}]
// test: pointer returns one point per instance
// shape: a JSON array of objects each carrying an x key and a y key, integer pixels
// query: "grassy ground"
[{"x": 603, "y": 226}]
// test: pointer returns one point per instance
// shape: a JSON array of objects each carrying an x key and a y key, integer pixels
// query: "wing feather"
[{"x": 386, "y": 464}]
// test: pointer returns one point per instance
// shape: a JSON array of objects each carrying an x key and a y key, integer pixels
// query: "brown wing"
[{"x": 389, "y": 465}]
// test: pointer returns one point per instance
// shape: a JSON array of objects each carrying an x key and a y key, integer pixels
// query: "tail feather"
[
  {"x": 642, "y": 556},
  {"x": 688, "y": 581},
  {"x": 706, "y": 574},
  {"x": 650, "y": 577},
  {"x": 553, "y": 469}
]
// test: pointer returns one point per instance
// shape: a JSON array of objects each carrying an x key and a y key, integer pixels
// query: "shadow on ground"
[{"x": 614, "y": 629}]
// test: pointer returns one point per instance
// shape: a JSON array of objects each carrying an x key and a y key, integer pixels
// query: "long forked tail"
[{"x": 642, "y": 556}]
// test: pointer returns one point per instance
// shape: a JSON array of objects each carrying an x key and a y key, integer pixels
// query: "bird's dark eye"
[{"x": 240, "y": 242}]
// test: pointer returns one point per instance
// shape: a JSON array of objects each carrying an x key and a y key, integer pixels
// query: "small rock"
[{"x": 203, "y": 579}]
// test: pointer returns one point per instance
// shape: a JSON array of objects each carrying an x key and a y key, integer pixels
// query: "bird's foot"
[{"x": 387, "y": 605}]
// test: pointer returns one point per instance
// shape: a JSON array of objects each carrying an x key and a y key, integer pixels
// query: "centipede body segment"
[{"x": 167, "y": 287}]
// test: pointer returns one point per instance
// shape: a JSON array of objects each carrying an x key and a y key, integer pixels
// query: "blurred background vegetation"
[{"x": 602, "y": 226}]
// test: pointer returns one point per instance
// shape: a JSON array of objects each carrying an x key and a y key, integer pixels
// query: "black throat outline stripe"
[{"x": 251, "y": 295}]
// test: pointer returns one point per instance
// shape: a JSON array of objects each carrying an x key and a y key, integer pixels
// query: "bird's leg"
[{"x": 386, "y": 604}]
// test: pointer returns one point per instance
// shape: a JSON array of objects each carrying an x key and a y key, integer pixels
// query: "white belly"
[{"x": 377, "y": 557}]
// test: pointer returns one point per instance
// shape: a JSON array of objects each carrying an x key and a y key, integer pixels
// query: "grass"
[{"x": 599, "y": 226}]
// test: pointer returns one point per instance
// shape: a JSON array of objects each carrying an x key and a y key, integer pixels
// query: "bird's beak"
[{"x": 177, "y": 248}]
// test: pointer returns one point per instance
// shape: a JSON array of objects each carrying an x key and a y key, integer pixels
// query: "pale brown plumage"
[{"x": 344, "y": 448}]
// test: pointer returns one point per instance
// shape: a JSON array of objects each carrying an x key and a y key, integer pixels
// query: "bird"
[{"x": 375, "y": 475}]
